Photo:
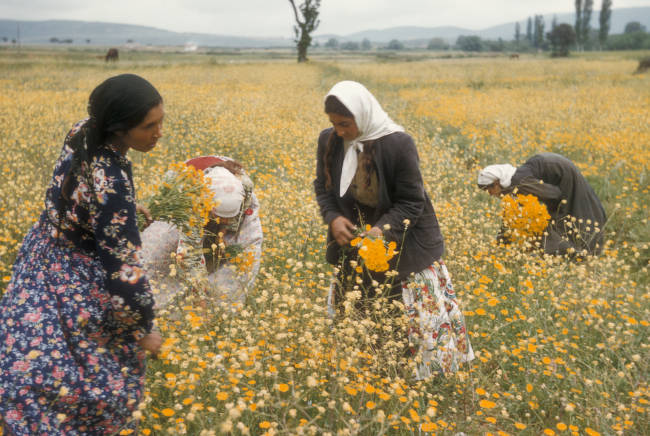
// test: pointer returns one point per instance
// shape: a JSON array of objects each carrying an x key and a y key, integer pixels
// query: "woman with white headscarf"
[
  {"x": 577, "y": 215},
  {"x": 232, "y": 245},
  {"x": 368, "y": 173}
]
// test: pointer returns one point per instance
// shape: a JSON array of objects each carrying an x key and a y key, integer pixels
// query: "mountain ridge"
[{"x": 101, "y": 33}]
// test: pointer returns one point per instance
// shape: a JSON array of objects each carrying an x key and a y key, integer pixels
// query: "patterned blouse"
[{"x": 100, "y": 220}]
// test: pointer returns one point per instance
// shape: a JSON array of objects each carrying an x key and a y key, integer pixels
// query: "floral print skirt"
[
  {"x": 436, "y": 330},
  {"x": 62, "y": 369}
]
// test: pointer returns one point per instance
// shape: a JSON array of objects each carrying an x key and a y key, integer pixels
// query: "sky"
[{"x": 274, "y": 18}]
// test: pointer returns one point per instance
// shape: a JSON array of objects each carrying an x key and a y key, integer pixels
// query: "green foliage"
[
  {"x": 350, "y": 45},
  {"x": 629, "y": 41},
  {"x": 394, "y": 44},
  {"x": 585, "y": 27},
  {"x": 437, "y": 44},
  {"x": 578, "y": 25},
  {"x": 634, "y": 27},
  {"x": 538, "y": 35},
  {"x": 469, "y": 43},
  {"x": 561, "y": 38},
  {"x": 332, "y": 43},
  {"x": 605, "y": 21}
]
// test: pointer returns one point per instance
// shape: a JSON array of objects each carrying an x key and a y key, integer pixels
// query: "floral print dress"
[
  {"x": 436, "y": 330},
  {"x": 77, "y": 302}
]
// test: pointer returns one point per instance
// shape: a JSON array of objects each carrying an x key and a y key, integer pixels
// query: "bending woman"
[
  {"x": 368, "y": 171},
  {"x": 78, "y": 312},
  {"x": 577, "y": 216},
  {"x": 232, "y": 247}
]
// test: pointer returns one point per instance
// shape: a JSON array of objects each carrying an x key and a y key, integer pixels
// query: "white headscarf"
[
  {"x": 492, "y": 173},
  {"x": 370, "y": 118},
  {"x": 228, "y": 191}
]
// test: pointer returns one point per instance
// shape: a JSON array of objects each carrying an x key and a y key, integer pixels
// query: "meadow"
[{"x": 562, "y": 347}]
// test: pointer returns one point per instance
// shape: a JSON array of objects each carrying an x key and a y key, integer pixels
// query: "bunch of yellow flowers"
[
  {"x": 524, "y": 216},
  {"x": 183, "y": 198},
  {"x": 375, "y": 252}
]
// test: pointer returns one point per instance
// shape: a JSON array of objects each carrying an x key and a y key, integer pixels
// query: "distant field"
[{"x": 562, "y": 347}]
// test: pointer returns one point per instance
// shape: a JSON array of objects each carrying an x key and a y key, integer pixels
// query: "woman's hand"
[
  {"x": 374, "y": 232},
  {"x": 342, "y": 230},
  {"x": 145, "y": 212},
  {"x": 151, "y": 342}
]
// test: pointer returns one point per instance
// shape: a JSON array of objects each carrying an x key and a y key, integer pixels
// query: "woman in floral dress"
[
  {"x": 77, "y": 316},
  {"x": 368, "y": 173}
]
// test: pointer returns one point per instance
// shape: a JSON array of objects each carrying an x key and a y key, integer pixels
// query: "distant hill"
[
  {"x": 105, "y": 34},
  {"x": 506, "y": 31},
  {"x": 40, "y": 32}
]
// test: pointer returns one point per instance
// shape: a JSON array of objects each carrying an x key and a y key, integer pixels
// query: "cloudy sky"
[{"x": 275, "y": 17}]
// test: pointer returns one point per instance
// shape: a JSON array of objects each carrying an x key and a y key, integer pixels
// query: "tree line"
[{"x": 560, "y": 38}]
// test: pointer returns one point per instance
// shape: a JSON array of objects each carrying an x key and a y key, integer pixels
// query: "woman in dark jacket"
[
  {"x": 368, "y": 173},
  {"x": 577, "y": 216}
]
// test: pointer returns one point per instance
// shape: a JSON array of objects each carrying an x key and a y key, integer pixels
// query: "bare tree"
[{"x": 308, "y": 10}]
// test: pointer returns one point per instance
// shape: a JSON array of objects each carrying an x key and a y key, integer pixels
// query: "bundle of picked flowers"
[
  {"x": 182, "y": 198},
  {"x": 375, "y": 252},
  {"x": 524, "y": 217}
]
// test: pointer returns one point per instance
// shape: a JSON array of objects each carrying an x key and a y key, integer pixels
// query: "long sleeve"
[
  {"x": 326, "y": 199},
  {"x": 406, "y": 189},
  {"x": 113, "y": 220}
]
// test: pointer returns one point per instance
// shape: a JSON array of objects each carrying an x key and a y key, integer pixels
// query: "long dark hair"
[
  {"x": 334, "y": 106},
  {"x": 117, "y": 104}
]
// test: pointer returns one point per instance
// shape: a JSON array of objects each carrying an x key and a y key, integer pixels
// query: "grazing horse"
[
  {"x": 514, "y": 56},
  {"x": 112, "y": 55}
]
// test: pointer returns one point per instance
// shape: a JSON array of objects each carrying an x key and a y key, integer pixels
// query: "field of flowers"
[{"x": 562, "y": 347}]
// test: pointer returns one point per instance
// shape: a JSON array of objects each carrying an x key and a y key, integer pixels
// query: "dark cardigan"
[
  {"x": 553, "y": 178},
  {"x": 401, "y": 196}
]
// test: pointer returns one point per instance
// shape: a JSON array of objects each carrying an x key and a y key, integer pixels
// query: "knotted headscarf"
[
  {"x": 228, "y": 191},
  {"x": 502, "y": 173},
  {"x": 370, "y": 118}
]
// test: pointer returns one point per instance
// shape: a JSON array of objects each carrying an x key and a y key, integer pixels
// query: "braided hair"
[{"x": 119, "y": 103}]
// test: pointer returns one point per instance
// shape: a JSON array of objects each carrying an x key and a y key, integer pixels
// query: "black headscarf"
[{"x": 117, "y": 104}]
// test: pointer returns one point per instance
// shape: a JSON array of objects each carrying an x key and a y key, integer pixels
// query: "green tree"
[
  {"x": 585, "y": 25},
  {"x": 538, "y": 35},
  {"x": 633, "y": 27},
  {"x": 332, "y": 43},
  {"x": 469, "y": 43},
  {"x": 629, "y": 41},
  {"x": 365, "y": 44},
  {"x": 529, "y": 30},
  {"x": 561, "y": 38},
  {"x": 517, "y": 33},
  {"x": 307, "y": 21},
  {"x": 437, "y": 44},
  {"x": 605, "y": 21},
  {"x": 578, "y": 26},
  {"x": 350, "y": 45},
  {"x": 395, "y": 45}
]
